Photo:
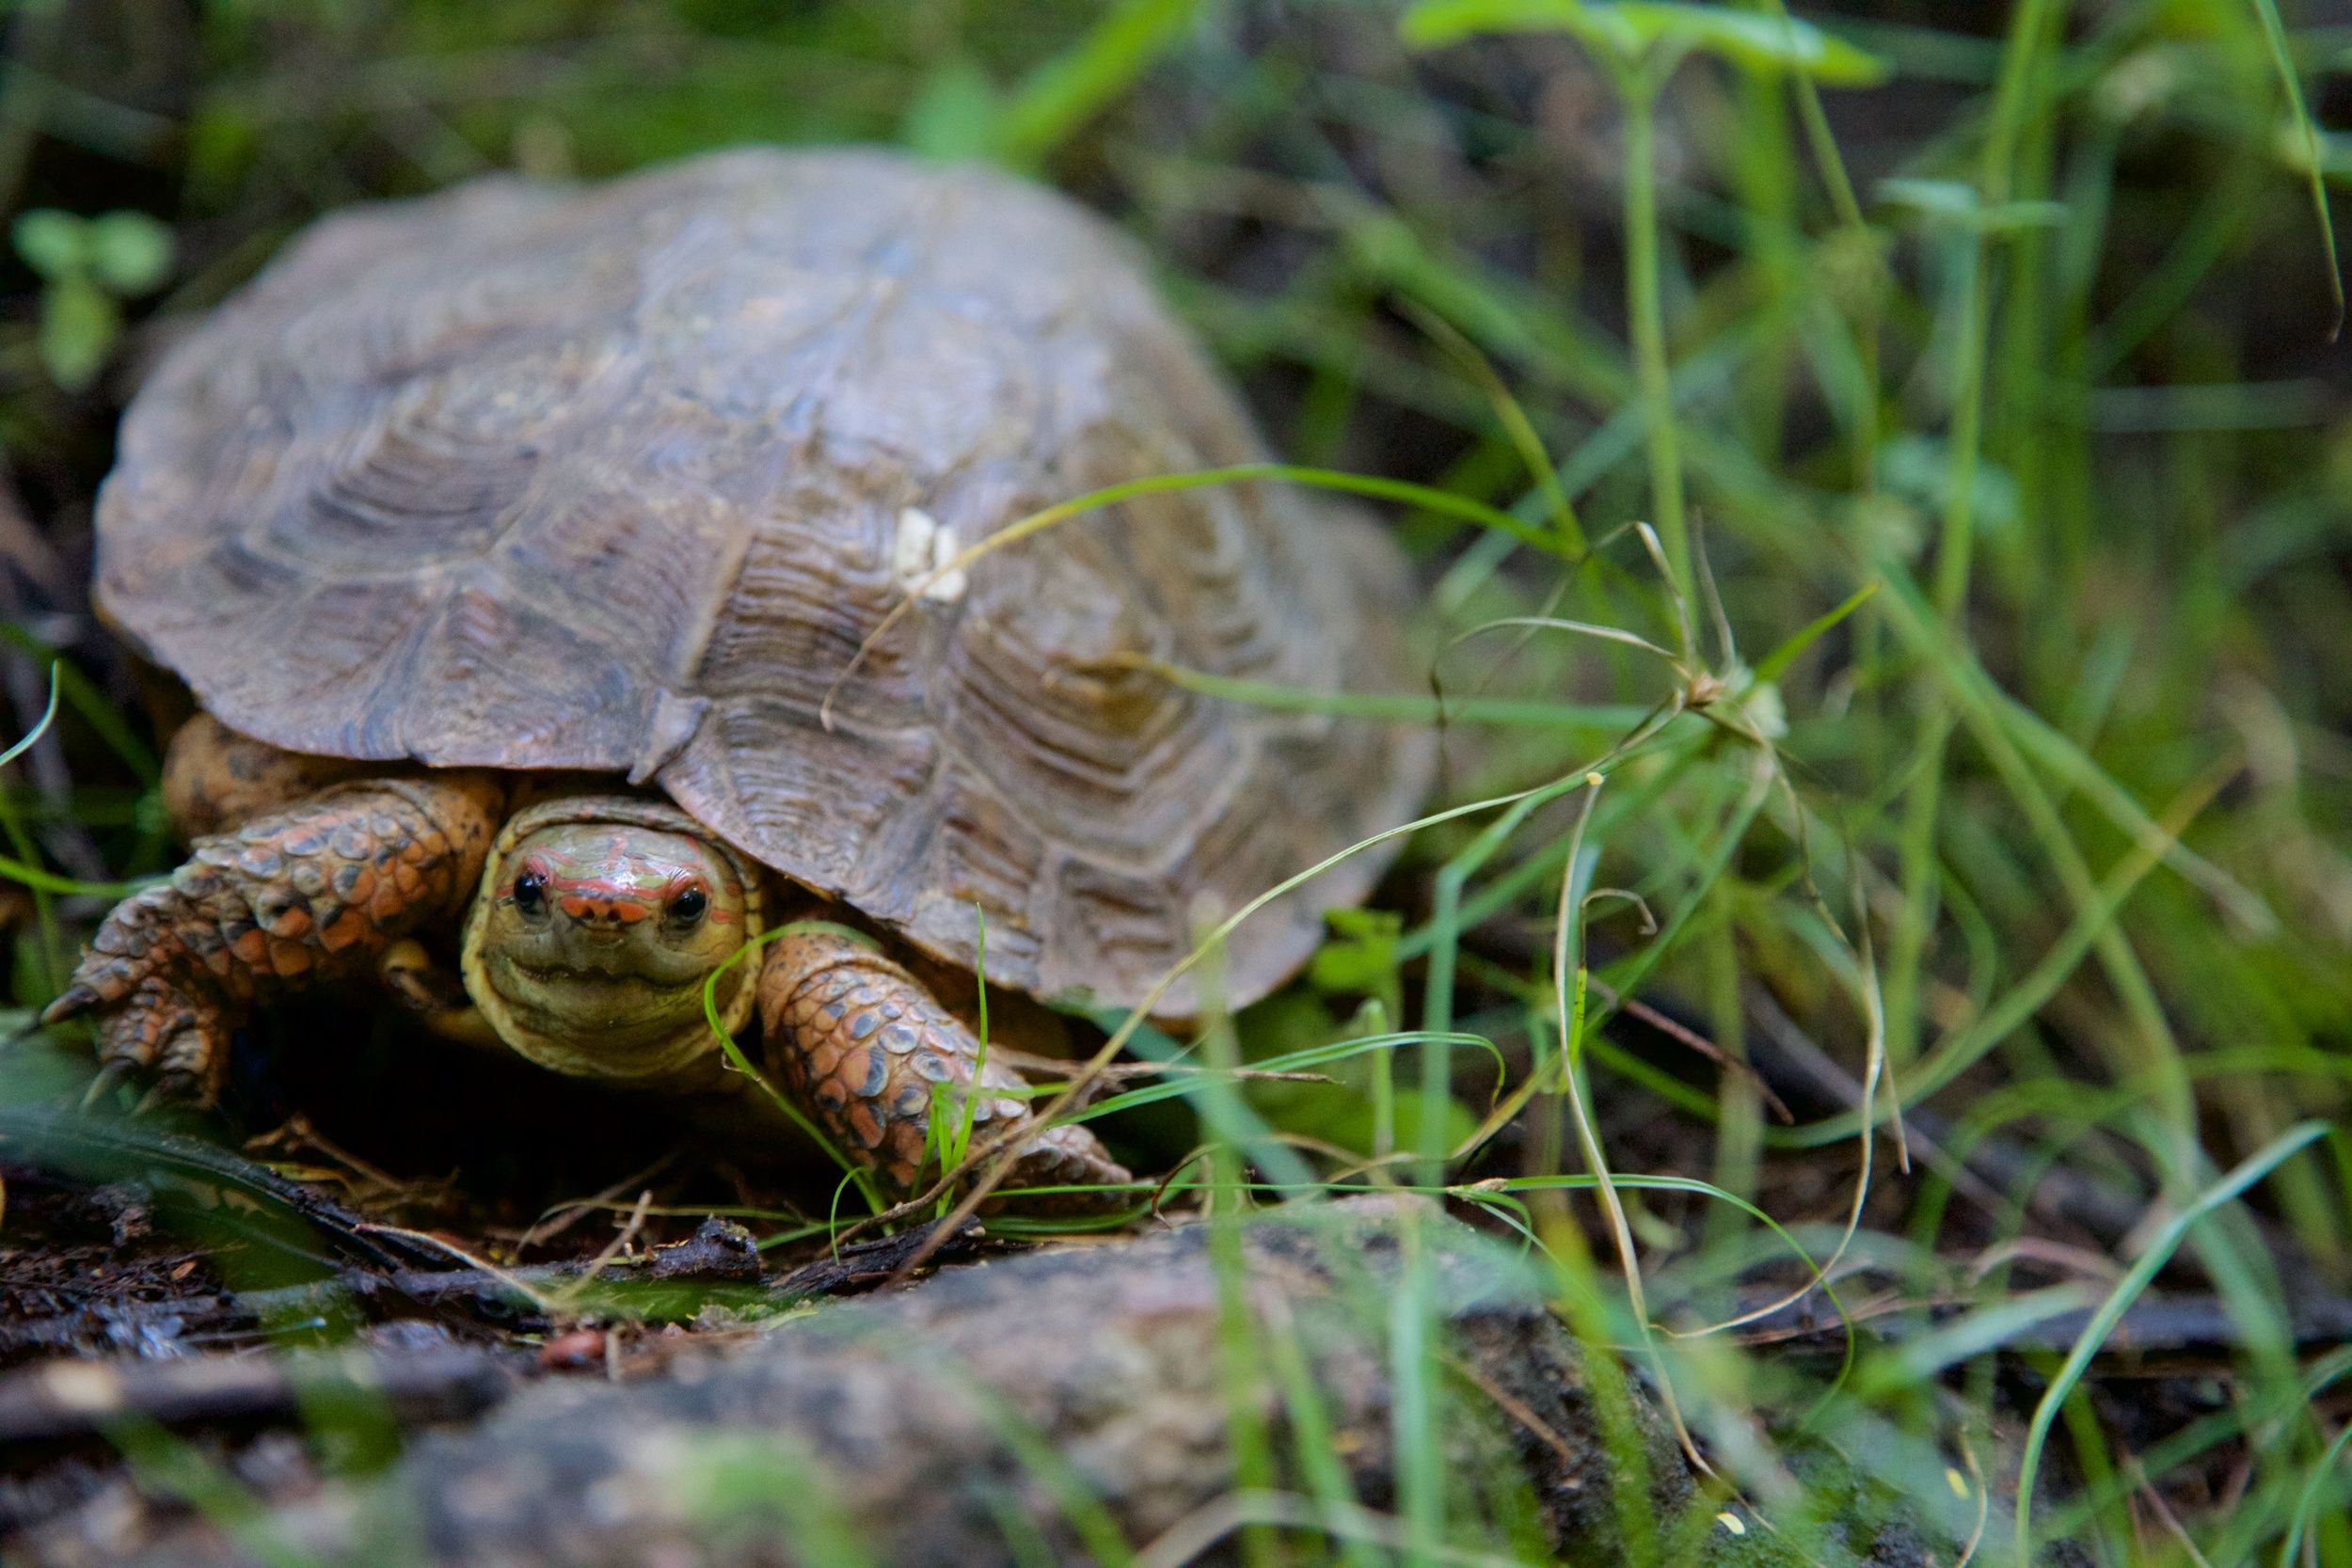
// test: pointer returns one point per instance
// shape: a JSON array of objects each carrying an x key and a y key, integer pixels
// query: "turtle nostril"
[{"x": 602, "y": 912}]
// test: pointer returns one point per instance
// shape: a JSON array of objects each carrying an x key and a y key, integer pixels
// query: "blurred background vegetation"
[{"x": 2003, "y": 340}]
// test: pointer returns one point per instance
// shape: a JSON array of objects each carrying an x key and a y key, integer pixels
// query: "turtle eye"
[
  {"x": 531, "y": 890},
  {"x": 688, "y": 906}
]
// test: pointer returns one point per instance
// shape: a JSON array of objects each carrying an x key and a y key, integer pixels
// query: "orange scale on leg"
[
  {"x": 349, "y": 926},
  {"x": 865, "y": 1071}
]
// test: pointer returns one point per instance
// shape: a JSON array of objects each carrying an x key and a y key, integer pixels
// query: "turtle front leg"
[
  {"x": 862, "y": 1044},
  {"x": 216, "y": 780},
  {"x": 312, "y": 892}
]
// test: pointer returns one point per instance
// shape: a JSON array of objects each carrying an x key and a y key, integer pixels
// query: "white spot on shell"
[{"x": 923, "y": 547}]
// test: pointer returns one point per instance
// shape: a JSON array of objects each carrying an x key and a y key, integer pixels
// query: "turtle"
[{"x": 571, "y": 582}]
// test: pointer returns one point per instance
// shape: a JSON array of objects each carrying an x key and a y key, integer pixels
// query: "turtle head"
[{"x": 596, "y": 926}]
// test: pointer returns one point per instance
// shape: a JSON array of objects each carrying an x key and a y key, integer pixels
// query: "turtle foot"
[
  {"x": 309, "y": 894},
  {"x": 171, "y": 1038},
  {"x": 872, "y": 1054},
  {"x": 1066, "y": 1169}
]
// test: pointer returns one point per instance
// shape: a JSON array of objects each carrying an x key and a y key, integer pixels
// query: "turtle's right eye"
[{"x": 531, "y": 892}]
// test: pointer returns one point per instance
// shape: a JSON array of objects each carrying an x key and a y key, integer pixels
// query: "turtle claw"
[
  {"x": 171, "y": 1088},
  {"x": 176, "y": 1042},
  {"x": 72, "y": 1002},
  {"x": 109, "y": 1075},
  {"x": 159, "y": 1094}
]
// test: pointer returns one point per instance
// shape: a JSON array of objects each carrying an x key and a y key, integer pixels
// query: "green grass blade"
[
  {"x": 48, "y": 717},
  {"x": 1061, "y": 95},
  {"x": 1776, "y": 664},
  {"x": 2316, "y": 166},
  {"x": 2149, "y": 1263},
  {"x": 1399, "y": 707}
]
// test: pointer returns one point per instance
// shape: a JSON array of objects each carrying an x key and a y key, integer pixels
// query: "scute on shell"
[{"x": 618, "y": 478}]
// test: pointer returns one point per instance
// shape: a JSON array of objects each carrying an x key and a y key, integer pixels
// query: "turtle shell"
[{"x": 619, "y": 477}]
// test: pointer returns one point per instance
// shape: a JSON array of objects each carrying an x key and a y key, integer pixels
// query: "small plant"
[{"x": 89, "y": 267}]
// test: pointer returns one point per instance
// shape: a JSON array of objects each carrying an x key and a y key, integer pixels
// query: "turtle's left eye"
[
  {"x": 688, "y": 906},
  {"x": 531, "y": 890}
]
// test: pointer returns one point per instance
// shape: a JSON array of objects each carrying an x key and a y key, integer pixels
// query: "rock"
[
  {"x": 718, "y": 1249},
  {"x": 1018, "y": 1411}
]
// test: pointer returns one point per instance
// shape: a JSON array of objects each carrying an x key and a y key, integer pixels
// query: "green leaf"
[
  {"x": 221, "y": 140},
  {"x": 1632, "y": 29},
  {"x": 1361, "y": 955},
  {"x": 53, "y": 244},
  {"x": 955, "y": 113},
  {"x": 1956, "y": 201},
  {"x": 78, "y": 327},
  {"x": 1920, "y": 468},
  {"x": 1434, "y": 24},
  {"x": 130, "y": 252},
  {"x": 1292, "y": 1031}
]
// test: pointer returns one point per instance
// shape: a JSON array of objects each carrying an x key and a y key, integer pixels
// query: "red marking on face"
[
  {"x": 592, "y": 899},
  {"x": 615, "y": 881}
]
